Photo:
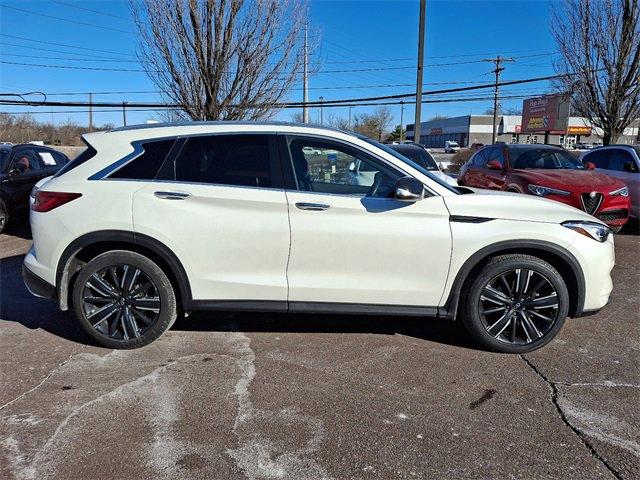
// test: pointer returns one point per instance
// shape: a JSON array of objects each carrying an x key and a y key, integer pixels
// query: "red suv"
[{"x": 550, "y": 172}]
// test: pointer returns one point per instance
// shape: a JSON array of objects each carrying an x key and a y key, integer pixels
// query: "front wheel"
[
  {"x": 516, "y": 304},
  {"x": 124, "y": 300}
]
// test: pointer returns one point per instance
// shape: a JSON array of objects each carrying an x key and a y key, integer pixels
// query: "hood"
[
  {"x": 513, "y": 206},
  {"x": 563, "y": 178},
  {"x": 445, "y": 178}
]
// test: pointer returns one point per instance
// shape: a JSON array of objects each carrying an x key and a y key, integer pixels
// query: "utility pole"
[
  {"x": 401, "y": 119},
  {"x": 124, "y": 114},
  {"x": 321, "y": 111},
  {"x": 498, "y": 61},
  {"x": 350, "y": 117},
  {"x": 90, "y": 112},
  {"x": 305, "y": 80},
  {"x": 416, "y": 126}
]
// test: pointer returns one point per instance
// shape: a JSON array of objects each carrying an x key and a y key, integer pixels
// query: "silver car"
[{"x": 620, "y": 161}]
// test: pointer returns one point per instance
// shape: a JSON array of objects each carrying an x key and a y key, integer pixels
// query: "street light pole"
[
  {"x": 401, "y": 120},
  {"x": 321, "y": 111},
  {"x": 416, "y": 126},
  {"x": 305, "y": 80},
  {"x": 350, "y": 117}
]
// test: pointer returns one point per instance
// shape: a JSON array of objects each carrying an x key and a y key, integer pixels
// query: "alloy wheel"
[
  {"x": 519, "y": 306},
  {"x": 121, "y": 302}
]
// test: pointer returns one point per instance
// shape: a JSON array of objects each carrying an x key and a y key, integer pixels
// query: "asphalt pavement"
[{"x": 264, "y": 396}]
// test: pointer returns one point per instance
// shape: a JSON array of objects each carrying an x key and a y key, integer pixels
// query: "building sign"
[
  {"x": 435, "y": 131},
  {"x": 518, "y": 128},
  {"x": 545, "y": 114},
  {"x": 575, "y": 130}
]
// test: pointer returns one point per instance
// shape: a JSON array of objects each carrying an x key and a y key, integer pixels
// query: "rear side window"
[
  {"x": 147, "y": 164},
  {"x": 86, "y": 155},
  {"x": 240, "y": 160}
]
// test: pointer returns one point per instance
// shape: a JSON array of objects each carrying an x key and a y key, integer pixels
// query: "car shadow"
[
  {"x": 19, "y": 306},
  {"x": 631, "y": 228}
]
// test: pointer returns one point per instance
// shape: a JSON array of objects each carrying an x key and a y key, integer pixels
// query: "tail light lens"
[{"x": 47, "y": 201}]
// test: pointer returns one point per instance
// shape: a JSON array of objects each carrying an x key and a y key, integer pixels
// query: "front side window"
[
  {"x": 543, "y": 158},
  {"x": 26, "y": 160},
  {"x": 497, "y": 154},
  {"x": 238, "y": 160},
  {"x": 619, "y": 158},
  {"x": 325, "y": 166},
  {"x": 600, "y": 158}
]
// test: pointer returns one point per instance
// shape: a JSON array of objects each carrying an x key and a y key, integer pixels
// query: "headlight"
[
  {"x": 541, "y": 191},
  {"x": 593, "y": 230},
  {"x": 621, "y": 192}
]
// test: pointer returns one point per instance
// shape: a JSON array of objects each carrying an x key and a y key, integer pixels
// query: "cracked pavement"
[{"x": 265, "y": 396}]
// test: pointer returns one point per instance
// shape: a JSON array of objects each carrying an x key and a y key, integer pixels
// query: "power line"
[
  {"x": 72, "y": 5},
  {"x": 96, "y": 59},
  {"x": 31, "y": 12},
  {"x": 81, "y": 54},
  {"x": 65, "y": 45}
]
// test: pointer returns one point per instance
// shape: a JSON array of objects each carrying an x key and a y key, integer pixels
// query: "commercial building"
[{"x": 470, "y": 129}]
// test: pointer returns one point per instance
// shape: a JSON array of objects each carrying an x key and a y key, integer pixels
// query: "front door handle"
[
  {"x": 172, "y": 195},
  {"x": 314, "y": 207}
]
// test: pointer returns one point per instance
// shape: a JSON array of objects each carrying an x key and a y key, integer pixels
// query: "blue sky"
[{"x": 351, "y": 35}]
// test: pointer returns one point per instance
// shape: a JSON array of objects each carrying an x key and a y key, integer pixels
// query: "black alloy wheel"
[{"x": 123, "y": 299}]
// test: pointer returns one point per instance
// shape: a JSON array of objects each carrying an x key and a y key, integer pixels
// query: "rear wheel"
[
  {"x": 124, "y": 300},
  {"x": 516, "y": 304}
]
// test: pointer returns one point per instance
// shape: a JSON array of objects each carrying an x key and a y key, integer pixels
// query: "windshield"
[
  {"x": 418, "y": 155},
  {"x": 546, "y": 158},
  {"x": 410, "y": 162}
]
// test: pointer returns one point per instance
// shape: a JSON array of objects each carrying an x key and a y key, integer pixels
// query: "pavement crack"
[
  {"x": 42, "y": 382},
  {"x": 553, "y": 387}
]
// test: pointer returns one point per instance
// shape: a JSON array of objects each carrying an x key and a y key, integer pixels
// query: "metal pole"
[
  {"x": 305, "y": 80},
  {"x": 90, "y": 112},
  {"x": 321, "y": 111},
  {"x": 124, "y": 114},
  {"x": 416, "y": 127},
  {"x": 401, "y": 119},
  {"x": 350, "y": 117}
]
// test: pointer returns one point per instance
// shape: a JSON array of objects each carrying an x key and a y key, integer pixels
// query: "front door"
[
  {"x": 353, "y": 244},
  {"x": 221, "y": 208}
]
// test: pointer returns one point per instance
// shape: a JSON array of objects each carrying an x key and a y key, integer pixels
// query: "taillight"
[{"x": 47, "y": 201}]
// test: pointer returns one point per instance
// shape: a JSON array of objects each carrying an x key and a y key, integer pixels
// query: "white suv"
[{"x": 153, "y": 221}]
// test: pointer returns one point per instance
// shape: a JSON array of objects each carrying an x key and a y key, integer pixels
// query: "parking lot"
[{"x": 310, "y": 397}]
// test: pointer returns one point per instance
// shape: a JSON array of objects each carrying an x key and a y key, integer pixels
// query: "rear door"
[
  {"x": 353, "y": 244},
  {"x": 219, "y": 204}
]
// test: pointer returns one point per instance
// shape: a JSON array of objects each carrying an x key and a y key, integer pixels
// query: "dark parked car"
[
  {"x": 550, "y": 172},
  {"x": 21, "y": 167}
]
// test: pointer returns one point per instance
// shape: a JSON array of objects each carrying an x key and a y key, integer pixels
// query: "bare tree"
[
  {"x": 375, "y": 124},
  {"x": 222, "y": 59},
  {"x": 600, "y": 44}
]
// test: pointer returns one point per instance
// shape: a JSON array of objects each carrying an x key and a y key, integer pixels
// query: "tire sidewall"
[
  {"x": 168, "y": 308},
  {"x": 472, "y": 307}
]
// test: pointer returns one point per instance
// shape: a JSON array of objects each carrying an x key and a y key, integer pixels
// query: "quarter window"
[
  {"x": 331, "y": 167},
  {"x": 147, "y": 165},
  {"x": 240, "y": 160}
]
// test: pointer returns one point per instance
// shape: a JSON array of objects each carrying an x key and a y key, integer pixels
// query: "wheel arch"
[
  {"x": 88, "y": 246},
  {"x": 560, "y": 258}
]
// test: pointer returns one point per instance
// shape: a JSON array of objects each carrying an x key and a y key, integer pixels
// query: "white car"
[
  {"x": 155, "y": 220},
  {"x": 451, "y": 147}
]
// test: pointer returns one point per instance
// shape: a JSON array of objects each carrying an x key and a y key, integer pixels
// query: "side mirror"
[
  {"x": 408, "y": 189},
  {"x": 590, "y": 166},
  {"x": 494, "y": 165},
  {"x": 352, "y": 167}
]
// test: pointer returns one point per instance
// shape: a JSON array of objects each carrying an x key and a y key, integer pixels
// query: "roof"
[
  {"x": 523, "y": 146},
  {"x": 222, "y": 123}
]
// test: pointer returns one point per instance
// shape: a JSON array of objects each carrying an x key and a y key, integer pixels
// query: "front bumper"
[
  {"x": 614, "y": 211},
  {"x": 36, "y": 285}
]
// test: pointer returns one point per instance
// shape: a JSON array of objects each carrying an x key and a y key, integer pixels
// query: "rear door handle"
[
  {"x": 314, "y": 207},
  {"x": 172, "y": 195}
]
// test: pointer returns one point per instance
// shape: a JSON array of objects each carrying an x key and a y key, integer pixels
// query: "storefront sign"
[
  {"x": 575, "y": 130},
  {"x": 435, "y": 131}
]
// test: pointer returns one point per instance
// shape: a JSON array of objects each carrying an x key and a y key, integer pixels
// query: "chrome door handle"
[
  {"x": 172, "y": 195},
  {"x": 314, "y": 207}
]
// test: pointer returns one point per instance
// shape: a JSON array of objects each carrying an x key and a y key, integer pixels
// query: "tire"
[
  {"x": 537, "y": 304},
  {"x": 4, "y": 216},
  {"x": 113, "y": 306}
]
